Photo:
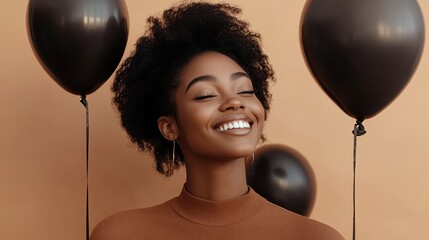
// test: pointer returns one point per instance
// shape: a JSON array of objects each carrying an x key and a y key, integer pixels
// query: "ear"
[{"x": 168, "y": 127}]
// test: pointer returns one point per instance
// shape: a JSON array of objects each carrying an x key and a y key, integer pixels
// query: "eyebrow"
[{"x": 233, "y": 76}]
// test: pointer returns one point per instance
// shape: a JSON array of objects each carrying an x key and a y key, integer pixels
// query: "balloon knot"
[
  {"x": 83, "y": 100},
  {"x": 360, "y": 128}
]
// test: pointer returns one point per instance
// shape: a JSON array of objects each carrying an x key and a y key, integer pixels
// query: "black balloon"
[
  {"x": 78, "y": 42},
  {"x": 284, "y": 177},
  {"x": 362, "y": 52}
]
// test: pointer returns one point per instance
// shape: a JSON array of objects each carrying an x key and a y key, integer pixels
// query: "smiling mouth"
[{"x": 237, "y": 124}]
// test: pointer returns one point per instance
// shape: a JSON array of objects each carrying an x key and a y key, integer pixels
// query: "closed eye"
[
  {"x": 247, "y": 92},
  {"x": 205, "y": 96}
]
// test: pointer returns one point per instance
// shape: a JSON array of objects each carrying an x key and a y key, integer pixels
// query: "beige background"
[{"x": 42, "y": 148}]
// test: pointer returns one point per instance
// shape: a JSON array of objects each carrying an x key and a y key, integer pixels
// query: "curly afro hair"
[{"x": 144, "y": 84}]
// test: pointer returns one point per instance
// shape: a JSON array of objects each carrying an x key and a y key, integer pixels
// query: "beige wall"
[{"x": 42, "y": 149}]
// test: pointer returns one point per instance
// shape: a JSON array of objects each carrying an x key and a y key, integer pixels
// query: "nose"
[{"x": 232, "y": 103}]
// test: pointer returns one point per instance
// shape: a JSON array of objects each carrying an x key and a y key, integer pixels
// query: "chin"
[{"x": 241, "y": 151}]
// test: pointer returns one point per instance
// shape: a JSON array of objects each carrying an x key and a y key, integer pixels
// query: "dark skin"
[{"x": 219, "y": 123}]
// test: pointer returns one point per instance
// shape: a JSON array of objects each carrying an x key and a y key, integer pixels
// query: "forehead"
[{"x": 209, "y": 63}]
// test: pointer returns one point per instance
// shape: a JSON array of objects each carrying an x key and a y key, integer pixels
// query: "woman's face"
[{"x": 218, "y": 114}]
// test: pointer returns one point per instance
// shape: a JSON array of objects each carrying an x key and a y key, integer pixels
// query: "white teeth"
[{"x": 234, "y": 125}]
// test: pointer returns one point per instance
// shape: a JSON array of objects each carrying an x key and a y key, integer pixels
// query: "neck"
[{"x": 216, "y": 180}]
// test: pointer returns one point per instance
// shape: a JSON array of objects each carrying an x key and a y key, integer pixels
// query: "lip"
[{"x": 231, "y": 118}]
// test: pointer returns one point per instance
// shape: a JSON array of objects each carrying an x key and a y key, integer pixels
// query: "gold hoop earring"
[
  {"x": 253, "y": 159},
  {"x": 174, "y": 153}
]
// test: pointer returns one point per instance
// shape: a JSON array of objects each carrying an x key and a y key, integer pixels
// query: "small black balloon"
[
  {"x": 362, "y": 52},
  {"x": 79, "y": 43},
  {"x": 284, "y": 177}
]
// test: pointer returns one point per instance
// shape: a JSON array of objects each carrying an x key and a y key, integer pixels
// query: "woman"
[{"x": 194, "y": 93}]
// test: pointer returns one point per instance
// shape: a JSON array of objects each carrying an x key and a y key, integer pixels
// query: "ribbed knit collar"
[{"x": 217, "y": 213}]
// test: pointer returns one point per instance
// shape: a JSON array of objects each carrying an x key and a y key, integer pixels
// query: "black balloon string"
[
  {"x": 358, "y": 130},
  {"x": 85, "y": 104}
]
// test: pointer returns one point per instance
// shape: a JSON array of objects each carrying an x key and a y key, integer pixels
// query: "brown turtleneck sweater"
[{"x": 187, "y": 217}]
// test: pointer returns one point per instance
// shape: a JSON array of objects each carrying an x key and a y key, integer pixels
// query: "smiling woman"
[
  {"x": 198, "y": 77},
  {"x": 219, "y": 95}
]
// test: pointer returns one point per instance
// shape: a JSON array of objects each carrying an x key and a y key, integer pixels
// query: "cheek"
[
  {"x": 258, "y": 109},
  {"x": 194, "y": 118},
  {"x": 259, "y": 112}
]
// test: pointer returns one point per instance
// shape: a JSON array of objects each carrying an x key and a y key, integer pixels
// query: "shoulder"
[
  {"x": 129, "y": 224},
  {"x": 308, "y": 228}
]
